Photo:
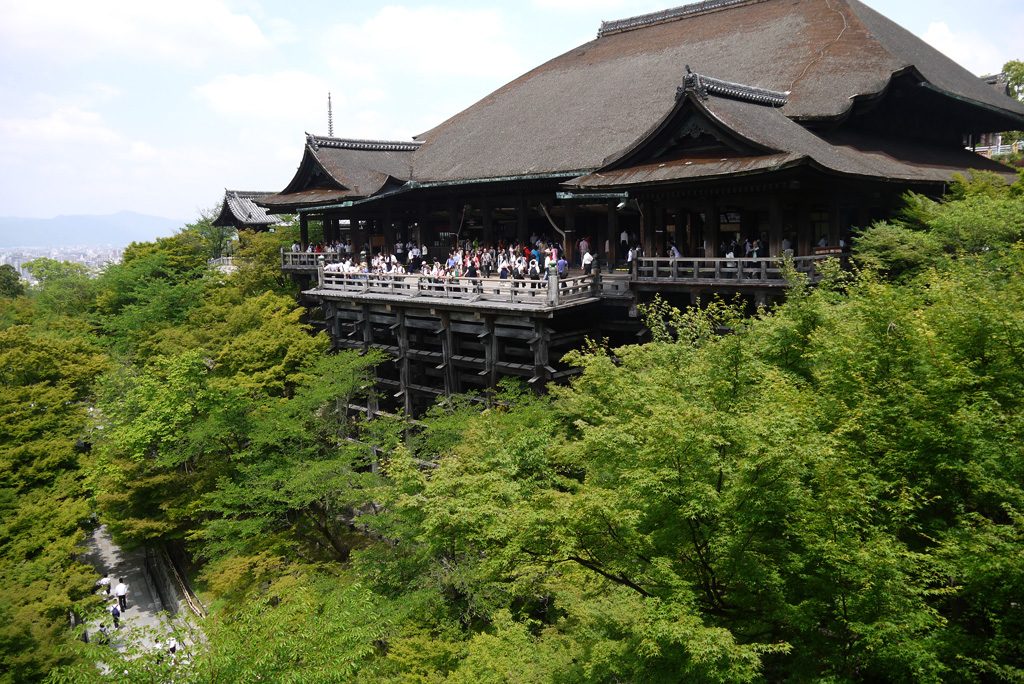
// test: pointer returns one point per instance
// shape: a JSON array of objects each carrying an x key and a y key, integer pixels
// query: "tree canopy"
[{"x": 827, "y": 490}]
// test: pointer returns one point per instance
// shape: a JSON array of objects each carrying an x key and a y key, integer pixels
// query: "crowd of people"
[{"x": 519, "y": 260}]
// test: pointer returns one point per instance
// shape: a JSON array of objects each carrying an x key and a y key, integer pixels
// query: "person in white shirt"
[
  {"x": 121, "y": 592},
  {"x": 588, "y": 262}
]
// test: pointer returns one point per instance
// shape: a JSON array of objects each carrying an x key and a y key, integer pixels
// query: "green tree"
[
  {"x": 45, "y": 377},
  {"x": 1014, "y": 70},
  {"x": 11, "y": 284},
  {"x": 64, "y": 288}
]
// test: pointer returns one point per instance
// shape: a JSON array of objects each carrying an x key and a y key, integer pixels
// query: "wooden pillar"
[
  {"x": 711, "y": 223},
  {"x": 775, "y": 226},
  {"x": 599, "y": 239},
  {"x": 569, "y": 245},
  {"x": 490, "y": 344},
  {"x": 805, "y": 240},
  {"x": 389, "y": 232},
  {"x": 613, "y": 232},
  {"x": 647, "y": 228},
  {"x": 522, "y": 220},
  {"x": 454, "y": 221},
  {"x": 303, "y": 230},
  {"x": 447, "y": 367},
  {"x": 833, "y": 222},
  {"x": 404, "y": 377},
  {"x": 367, "y": 329},
  {"x": 539, "y": 343},
  {"x": 488, "y": 222},
  {"x": 660, "y": 246}
]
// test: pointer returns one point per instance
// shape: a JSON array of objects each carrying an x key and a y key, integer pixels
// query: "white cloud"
[
  {"x": 971, "y": 50},
  {"x": 425, "y": 41},
  {"x": 184, "y": 31},
  {"x": 283, "y": 95},
  {"x": 67, "y": 124}
]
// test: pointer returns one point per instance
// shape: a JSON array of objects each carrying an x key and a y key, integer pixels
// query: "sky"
[{"x": 156, "y": 107}]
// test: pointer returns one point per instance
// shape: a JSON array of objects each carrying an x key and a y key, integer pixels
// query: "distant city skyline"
[
  {"x": 155, "y": 108},
  {"x": 117, "y": 230}
]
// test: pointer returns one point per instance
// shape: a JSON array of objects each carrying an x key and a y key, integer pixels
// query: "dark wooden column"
[
  {"x": 447, "y": 367},
  {"x": 833, "y": 222},
  {"x": 775, "y": 226},
  {"x": 539, "y": 343},
  {"x": 660, "y": 247},
  {"x": 522, "y": 219},
  {"x": 389, "y": 232},
  {"x": 804, "y": 239},
  {"x": 489, "y": 340},
  {"x": 570, "y": 233},
  {"x": 404, "y": 377},
  {"x": 647, "y": 228},
  {"x": 303, "y": 230},
  {"x": 454, "y": 216},
  {"x": 711, "y": 224},
  {"x": 488, "y": 222},
  {"x": 613, "y": 231}
]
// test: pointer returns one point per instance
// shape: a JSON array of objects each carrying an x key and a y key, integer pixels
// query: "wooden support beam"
[
  {"x": 367, "y": 329},
  {"x": 539, "y": 345},
  {"x": 447, "y": 343},
  {"x": 490, "y": 352}
]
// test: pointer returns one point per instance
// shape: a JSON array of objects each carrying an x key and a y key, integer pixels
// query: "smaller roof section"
[
  {"x": 334, "y": 170},
  {"x": 240, "y": 210}
]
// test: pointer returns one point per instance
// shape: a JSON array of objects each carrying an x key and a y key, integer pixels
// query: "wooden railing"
[
  {"x": 761, "y": 271},
  {"x": 546, "y": 292},
  {"x": 224, "y": 262},
  {"x": 309, "y": 260}
]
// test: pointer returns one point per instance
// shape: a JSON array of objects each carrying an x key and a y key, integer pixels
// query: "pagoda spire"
[{"x": 330, "y": 117}]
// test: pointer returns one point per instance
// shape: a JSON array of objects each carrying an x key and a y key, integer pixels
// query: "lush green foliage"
[
  {"x": 830, "y": 490},
  {"x": 45, "y": 374},
  {"x": 11, "y": 284}
]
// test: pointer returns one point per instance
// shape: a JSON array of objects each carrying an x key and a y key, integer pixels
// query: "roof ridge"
[
  {"x": 706, "y": 85},
  {"x": 368, "y": 145},
  {"x": 683, "y": 12},
  {"x": 248, "y": 194}
]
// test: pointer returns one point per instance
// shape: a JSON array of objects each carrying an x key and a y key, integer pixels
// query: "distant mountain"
[{"x": 115, "y": 230}]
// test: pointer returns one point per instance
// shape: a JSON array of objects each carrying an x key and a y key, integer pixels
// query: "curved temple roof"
[
  {"x": 591, "y": 102},
  {"x": 600, "y": 105},
  {"x": 239, "y": 208},
  {"x": 339, "y": 169}
]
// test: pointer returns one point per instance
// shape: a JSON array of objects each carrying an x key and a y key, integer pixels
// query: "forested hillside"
[{"x": 829, "y": 490}]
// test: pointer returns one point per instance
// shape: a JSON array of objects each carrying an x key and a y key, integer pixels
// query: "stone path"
[{"x": 144, "y": 618}]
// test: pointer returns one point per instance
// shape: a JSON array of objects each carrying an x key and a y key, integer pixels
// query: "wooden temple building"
[
  {"x": 792, "y": 122},
  {"x": 240, "y": 211}
]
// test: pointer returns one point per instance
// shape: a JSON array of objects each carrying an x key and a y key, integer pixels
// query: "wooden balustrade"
[
  {"x": 309, "y": 261},
  {"x": 545, "y": 292},
  {"x": 759, "y": 271}
]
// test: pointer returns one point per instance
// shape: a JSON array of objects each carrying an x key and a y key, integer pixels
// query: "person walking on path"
[
  {"x": 116, "y": 614},
  {"x": 121, "y": 592},
  {"x": 105, "y": 583}
]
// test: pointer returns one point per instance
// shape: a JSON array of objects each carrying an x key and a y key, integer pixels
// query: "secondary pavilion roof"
[
  {"x": 334, "y": 170},
  {"x": 751, "y": 136},
  {"x": 239, "y": 209}
]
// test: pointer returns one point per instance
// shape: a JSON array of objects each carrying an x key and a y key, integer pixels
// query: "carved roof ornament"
[
  {"x": 316, "y": 142},
  {"x": 703, "y": 86}
]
